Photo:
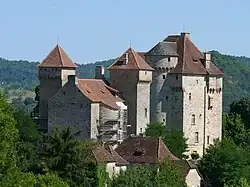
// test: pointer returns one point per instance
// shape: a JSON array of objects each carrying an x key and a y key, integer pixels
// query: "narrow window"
[
  {"x": 193, "y": 120},
  {"x": 140, "y": 130},
  {"x": 64, "y": 93},
  {"x": 164, "y": 76},
  {"x": 145, "y": 72},
  {"x": 166, "y": 98},
  {"x": 196, "y": 137},
  {"x": 169, "y": 58},
  {"x": 146, "y": 112},
  {"x": 197, "y": 81},
  {"x": 190, "y": 97},
  {"x": 176, "y": 77},
  {"x": 208, "y": 139},
  {"x": 210, "y": 104}
]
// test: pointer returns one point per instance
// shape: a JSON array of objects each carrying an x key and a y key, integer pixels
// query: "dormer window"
[{"x": 138, "y": 153}]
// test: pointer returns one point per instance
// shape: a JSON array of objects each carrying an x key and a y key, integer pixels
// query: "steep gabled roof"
[
  {"x": 101, "y": 154},
  {"x": 118, "y": 159},
  {"x": 186, "y": 166},
  {"x": 135, "y": 62},
  {"x": 190, "y": 58},
  {"x": 97, "y": 91},
  {"x": 57, "y": 58},
  {"x": 144, "y": 150}
]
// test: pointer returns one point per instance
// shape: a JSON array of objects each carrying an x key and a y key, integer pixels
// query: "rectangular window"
[
  {"x": 189, "y": 95},
  {"x": 164, "y": 76},
  {"x": 176, "y": 77},
  {"x": 169, "y": 58},
  {"x": 208, "y": 139},
  {"x": 140, "y": 130},
  {"x": 145, "y": 72},
  {"x": 196, "y": 137},
  {"x": 193, "y": 119},
  {"x": 166, "y": 98},
  {"x": 146, "y": 112}
]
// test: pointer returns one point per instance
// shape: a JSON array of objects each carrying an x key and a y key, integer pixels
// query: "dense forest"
[{"x": 19, "y": 78}]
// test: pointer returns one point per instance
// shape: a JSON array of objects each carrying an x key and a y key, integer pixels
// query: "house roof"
[
  {"x": 118, "y": 159},
  {"x": 135, "y": 62},
  {"x": 185, "y": 166},
  {"x": 57, "y": 58},
  {"x": 144, "y": 150},
  {"x": 97, "y": 91},
  {"x": 101, "y": 154},
  {"x": 190, "y": 59}
]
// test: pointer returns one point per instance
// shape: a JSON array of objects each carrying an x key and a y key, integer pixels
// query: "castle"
[{"x": 173, "y": 83}]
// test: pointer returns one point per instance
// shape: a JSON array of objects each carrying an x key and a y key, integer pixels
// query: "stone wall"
[
  {"x": 193, "y": 111},
  {"x": 126, "y": 82},
  {"x": 143, "y": 106},
  {"x": 69, "y": 107},
  {"x": 213, "y": 128},
  {"x": 193, "y": 179}
]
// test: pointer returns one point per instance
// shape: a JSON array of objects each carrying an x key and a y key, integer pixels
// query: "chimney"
[
  {"x": 207, "y": 60},
  {"x": 99, "y": 72},
  {"x": 72, "y": 79},
  {"x": 185, "y": 34}
]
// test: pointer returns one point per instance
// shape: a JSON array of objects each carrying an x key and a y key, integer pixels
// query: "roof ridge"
[{"x": 59, "y": 52}]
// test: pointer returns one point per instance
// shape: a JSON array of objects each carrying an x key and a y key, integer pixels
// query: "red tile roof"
[
  {"x": 144, "y": 150},
  {"x": 135, "y": 62},
  {"x": 97, "y": 91},
  {"x": 57, "y": 58},
  {"x": 118, "y": 159},
  {"x": 101, "y": 154},
  {"x": 190, "y": 58}
]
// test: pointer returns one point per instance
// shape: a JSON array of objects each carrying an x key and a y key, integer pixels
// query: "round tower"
[{"x": 162, "y": 57}]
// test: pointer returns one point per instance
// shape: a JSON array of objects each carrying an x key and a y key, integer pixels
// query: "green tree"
[
  {"x": 169, "y": 175},
  {"x": 70, "y": 159},
  {"x": 174, "y": 139},
  {"x": 8, "y": 138},
  {"x": 28, "y": 141},
  {"x": 135, "y": 176},
  {"x": 233, "y": 127},
  {"x": 50, "y": 180},
  {"x": 241, "y": 183},
  {"x": 224, "y": 162},
  {"x": 242, "y": 108}
]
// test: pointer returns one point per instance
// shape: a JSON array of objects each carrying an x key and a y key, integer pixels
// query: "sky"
[{"x": 95, "y": 30}]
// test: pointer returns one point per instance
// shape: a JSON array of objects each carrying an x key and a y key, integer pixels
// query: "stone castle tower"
[
  {"x": 132, "y": 76},
  {"x": 186, "y": 91},
  {"x": 53, "y": 74}
]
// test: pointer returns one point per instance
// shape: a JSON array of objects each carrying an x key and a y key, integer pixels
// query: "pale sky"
[{"x": 92, "y": 30}]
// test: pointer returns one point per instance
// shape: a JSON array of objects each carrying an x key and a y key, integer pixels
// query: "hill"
[{"x": 19, "y": 78}]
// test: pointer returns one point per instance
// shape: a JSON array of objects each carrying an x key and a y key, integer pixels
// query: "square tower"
[
  {"x": 53, "y": 73},
  {"x": 186, "y": 91},
  {"x": 132, "y": 76}
]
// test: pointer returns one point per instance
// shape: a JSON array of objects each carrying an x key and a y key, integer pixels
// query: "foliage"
[
  {"x": 234, "y": 128},
  {"x": 242, "y": 108},
  {"x": 8, "y": 137},
  {"x": 225, "y": 163},
  {"x": 241, "y": 183},
  {"x": 236, "y": 77},
  {"x": 28, "y": 142},
  {"x": 102, "y": 175},
  {"x": 70, "y": 159},
  {"x": 195, "y": 155},
  {"x": 135, "y": 176},
  {"x": 165, "y": 174},
  {"x": 169, "y": 175},
  {"x": 50, "y": 180},
  {"x": 174, "y": 139}
]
